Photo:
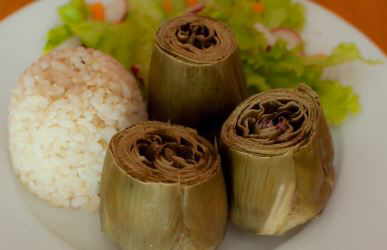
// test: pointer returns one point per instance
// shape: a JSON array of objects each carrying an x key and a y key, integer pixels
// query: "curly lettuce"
[
  {"x": 283, "y": 68},
  {"x": 277, "y": 66}
]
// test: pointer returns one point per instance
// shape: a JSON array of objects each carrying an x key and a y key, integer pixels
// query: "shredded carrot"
[
  {"x": 98, "y": 11},
  {"x": 168, "y": 6},
  {"x": 258, "y": 7},
  {"x": 191, "y": 3}
]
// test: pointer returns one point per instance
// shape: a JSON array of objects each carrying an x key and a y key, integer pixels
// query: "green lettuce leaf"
[
  {"x": 74, "y": 12},
  {"x": 338, "y": 101},
  {"x": 284, "y": 14},
  {"x": 129, "y": 42},
  {"x": 343, "y": 53},
  {"x": 56, "y": 36},
  {"x": 276, "y": 14},
  {"x": 283, "y": 68}
]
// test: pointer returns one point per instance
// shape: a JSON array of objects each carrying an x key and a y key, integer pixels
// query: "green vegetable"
[
  {"x": 344, "y": 53},
  {"x": 113, "y": 39},
  {"x": 277, "y": 67},
  {"x": 57, "y": 36},
  {"x": 277, "y": 13},
  {"x": 73, "y": 12},
  {"x": 283, "y": 68},
  {"x": 284, "y": 14},
  {"x": 129, "y": 42},
  {"x": 338, "y": 101}
]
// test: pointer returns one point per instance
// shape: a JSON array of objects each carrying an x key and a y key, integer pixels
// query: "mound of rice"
[{"x": 64, "y": 111}]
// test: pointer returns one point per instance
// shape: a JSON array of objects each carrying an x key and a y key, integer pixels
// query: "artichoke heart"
[
  {"x": 196, "y": 77},
  {"x": 278, "y": 154},
  {"x": 163, "y": 188}
]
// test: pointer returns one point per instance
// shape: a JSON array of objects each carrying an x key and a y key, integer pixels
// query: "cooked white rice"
[{"x": 63, "y": 112}]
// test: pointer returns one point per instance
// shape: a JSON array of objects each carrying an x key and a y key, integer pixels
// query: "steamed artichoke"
[
  {"x": 163, "y": 188},
  {"x": 278, "y": 154},
  {"x": 196, "y": 78}
]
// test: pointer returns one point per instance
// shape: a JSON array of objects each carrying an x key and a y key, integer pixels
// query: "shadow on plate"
[{"x": 238, "y": 239}]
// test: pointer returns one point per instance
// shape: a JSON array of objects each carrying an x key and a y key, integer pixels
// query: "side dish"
[{"x": 66, "y": 107}]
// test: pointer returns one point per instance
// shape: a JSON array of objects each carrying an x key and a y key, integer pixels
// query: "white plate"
[{"x": 356, "y": 216}]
